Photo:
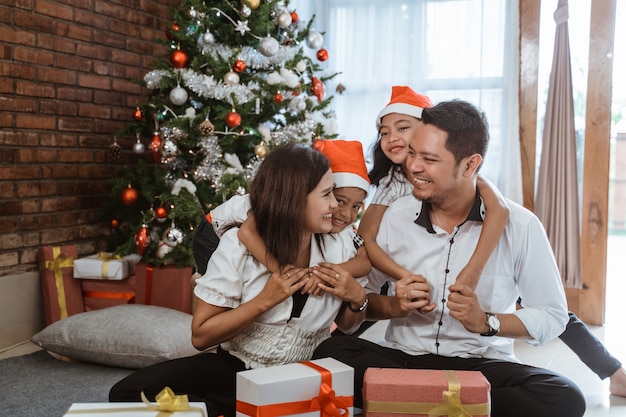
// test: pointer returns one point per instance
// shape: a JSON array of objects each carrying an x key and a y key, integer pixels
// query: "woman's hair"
[{"x": 278, "y": 196}]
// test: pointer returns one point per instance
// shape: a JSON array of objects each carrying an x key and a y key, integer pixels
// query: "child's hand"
[
  {"x": 468, "y": 276},
  {"x": 413, "y": 293},
  {"x": 311, "y": 287}
]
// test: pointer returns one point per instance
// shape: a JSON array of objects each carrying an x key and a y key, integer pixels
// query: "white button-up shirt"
[{"x": 522, "y": 265}]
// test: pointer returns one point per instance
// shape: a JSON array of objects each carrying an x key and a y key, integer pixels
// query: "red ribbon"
[
  {"x": 109, "y": 295},
  {"x": 149, "y": 270},
  {"x": 327, "y": 403}
]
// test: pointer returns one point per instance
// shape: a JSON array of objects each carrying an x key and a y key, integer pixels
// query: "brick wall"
[{"x": 66, "y": 71}]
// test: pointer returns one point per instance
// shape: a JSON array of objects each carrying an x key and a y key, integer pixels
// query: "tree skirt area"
[{"x": 37, "y": 385}]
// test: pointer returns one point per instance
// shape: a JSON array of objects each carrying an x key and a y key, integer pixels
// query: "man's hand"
[
  {"x": 413, "y": 293},
  {"x": 464, "y": 307}
]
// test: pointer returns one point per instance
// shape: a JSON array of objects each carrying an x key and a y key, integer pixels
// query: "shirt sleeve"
[
  {"x": 545, "y": 307},
  {"x": 391, "y": 188}
]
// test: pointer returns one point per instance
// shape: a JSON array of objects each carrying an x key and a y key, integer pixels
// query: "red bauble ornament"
[
  {"x": 179, "y": 59},
  {"x": 294, "y": 17},
  {"x": 155, "y": 147},
  {"x": 160, "y": 212},
  {"x": 322, "y": 55},
  {"x": 168, "y": 32},
  {"x": 142, "y": 239},
  {"x": 317, "y": 88},
  {"x": 278, "y": 98},
  {"x": 129, "y": 196},
  {"x": 239, "y": 66},
  {"x": 233, "y": 119},
  {"x": 137, "y": 114},
  {"x": 115, "y": 223}
]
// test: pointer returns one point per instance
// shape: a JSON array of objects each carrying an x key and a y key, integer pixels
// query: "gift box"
[
  {"x": 102, "y": 265},
  {"x": 423, "y": 393},
  {"x": 166, "y": 286},
  {"x": 99, "y": 294},
  {"x": 61, "y": 293},
  {"x": 196, "y": 409},
  {"x": 307, "y": 389}
]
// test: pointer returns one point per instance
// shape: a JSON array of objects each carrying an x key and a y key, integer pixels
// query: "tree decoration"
[
  {"x": 322, "y": 55},
  {"x": 236, "y": 81},
  {"x": 160, "y": 213},
  {"x": 115, "y": 150},
  {"x": 233, "y": 119},
  {"x": 115, "y": 223},
  {"x": 239, "y": 65},
  {"x": 142, "y": 239},
  {"x": 179, "y": 59},
  {"x": 129, "y": 196},
  {"x": 139, "y": 148},
  {"x": 138, "y": 115}
]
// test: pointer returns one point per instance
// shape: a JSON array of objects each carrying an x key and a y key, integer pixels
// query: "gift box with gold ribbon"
[
  {"x": 104, "y": 265},
  {"x": 61, "y": 293},
  {"x": 317, "y": 388},
  {"x": 167, "y": 404},
  {"x": 425, "y": 393}
]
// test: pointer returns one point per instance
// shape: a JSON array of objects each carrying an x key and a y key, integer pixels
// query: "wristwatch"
[{"x": 494, "y": 325}]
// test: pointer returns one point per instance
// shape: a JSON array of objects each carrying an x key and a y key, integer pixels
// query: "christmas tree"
[{"x": 238, "y": 81}]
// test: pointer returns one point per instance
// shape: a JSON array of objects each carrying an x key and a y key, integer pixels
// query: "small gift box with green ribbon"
[
  {"x": 425, "y": 393},
  {"x": 317, "y": 388}
]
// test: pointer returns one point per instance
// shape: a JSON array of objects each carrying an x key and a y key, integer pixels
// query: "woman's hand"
[
  {"x": 335, "y": 280},
  {"x": 283, "y": 284}
]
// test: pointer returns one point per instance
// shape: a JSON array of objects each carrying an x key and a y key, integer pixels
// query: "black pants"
[
  {"x": 589, "y": 349},
  {"x": 516, "y": 390},
  {"x": 207, "y": 377}
]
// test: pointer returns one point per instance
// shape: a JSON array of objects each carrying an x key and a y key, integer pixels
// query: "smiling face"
[
  {"x": 395, "y": 133},
  {"x": 432, "y": 168},
  {"x": 350, "y": 202},
  {"x": 320, "y": 204}
]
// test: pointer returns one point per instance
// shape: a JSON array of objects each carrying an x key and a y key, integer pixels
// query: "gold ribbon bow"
[
  {"x": 452, "y": 405},
  {"x": 105, "y": 258},
  {"x": 56, "y": 264},
  {"x": 166, "y": 400}
]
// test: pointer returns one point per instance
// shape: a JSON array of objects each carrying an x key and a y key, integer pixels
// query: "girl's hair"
[
  {"x": 381, "y": 165},
  {"x": 278, "y": 196}
]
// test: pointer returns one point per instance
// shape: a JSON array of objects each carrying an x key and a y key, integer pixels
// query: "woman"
[{"x": 258, "y": 318}]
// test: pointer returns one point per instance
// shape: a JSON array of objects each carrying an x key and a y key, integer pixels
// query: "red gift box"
[
  {"x": 166, "y": 286},
  {"x": 424, "y": 393},
  {"x": 62, "y": 294},
  {"x": 99, "y": 294}
]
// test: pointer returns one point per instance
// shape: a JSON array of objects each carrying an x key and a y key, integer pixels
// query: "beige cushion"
[{"x": 127, "y": 336}]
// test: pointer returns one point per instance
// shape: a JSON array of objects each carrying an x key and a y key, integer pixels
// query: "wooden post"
[{"x": 596, "y": 162}]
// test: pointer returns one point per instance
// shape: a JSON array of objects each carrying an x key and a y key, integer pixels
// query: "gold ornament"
[
  {"x": 340, "y": 88},
  {"x": 253, "y": 3},
  {"x": 260, "y": 150},
  {"x": 206, "y": 127}
]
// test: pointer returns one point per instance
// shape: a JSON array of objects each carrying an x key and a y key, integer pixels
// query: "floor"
[{"x": 554, "y": 355}]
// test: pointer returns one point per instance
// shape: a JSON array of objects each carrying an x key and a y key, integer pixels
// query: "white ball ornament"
[
  {"x": 245, "y": 11},
  {"x": 284, "y": 19},
  {"x": 231, "y": 78},
  {"x": 268, "y": 46},
  {"x": 169, "y": 148},
  {"x": 208, "y": 38},
  {"x": 178, "y": 96},
  {"x": 314, "y": 39},
  {"x": 139, "y": 148},
  {"x": 301, "y": 66}
]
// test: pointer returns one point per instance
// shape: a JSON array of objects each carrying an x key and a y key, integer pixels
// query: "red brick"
[
  {"x": 8, "y": 155},
  {"x": 19, "y": 137},
  {"x": 76, "y": 31},
  {"x": 93, "y": 51},
  {"x": 76, "y": 156},
  {"x": 54, "y": 10},
  {"x": 64, "y": 108},
  {"x": 18, "y": 172},
  {"x": 75, "y": 124},
  {"x": 59, "y": 235},
  {"x": 26, "y": 121},
  {"x": 90, "y": 19},
  {"x": 5, "y": 52},
  {"x": 7, "y": 120},
  {"x": 56, "y": 76},
  {"x": 74, "y": 94},
  {"x": 54, "y": 43},
  {"x": 74, "y": 63},
  {"x": 94, "y": 81},
  {"x": 37, "y": 23},
  {"x": 59, "y": 172},
  {"x": 17, "y": 71},
  {"x": 29, "y": 88},
  {"x": 94, "y": 111},
  {"x": 17, "y": 104},
  {"x": 18, "y": 207},
  {"x": 7, "y": 190}
]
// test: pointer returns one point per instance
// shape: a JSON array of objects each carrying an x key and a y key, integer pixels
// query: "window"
[{"x": 465, "y": 49}]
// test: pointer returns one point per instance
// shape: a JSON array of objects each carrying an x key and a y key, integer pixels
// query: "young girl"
[
  {"x": 395, "y": 124},
  {"x": 255, "y": 317}
]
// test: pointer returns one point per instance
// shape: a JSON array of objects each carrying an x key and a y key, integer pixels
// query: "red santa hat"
[
  {"x": 346, "y": 161},
  {"x": 404, "y": 101}
]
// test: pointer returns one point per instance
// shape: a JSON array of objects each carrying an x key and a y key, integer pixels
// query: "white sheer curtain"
[{"x": 465, "y": 49}]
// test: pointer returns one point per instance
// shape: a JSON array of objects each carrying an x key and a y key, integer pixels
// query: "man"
[{"x": 437, "y": 324}]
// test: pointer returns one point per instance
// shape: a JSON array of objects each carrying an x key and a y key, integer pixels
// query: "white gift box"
[
  {"x": 104, "y": 266},
  {"x": 296, "y": 389},
  {"x": 136, "y": 409}
]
